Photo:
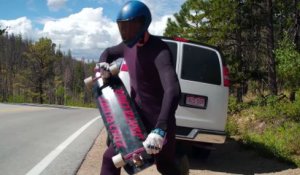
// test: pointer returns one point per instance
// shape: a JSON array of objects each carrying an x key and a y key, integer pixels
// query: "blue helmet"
[{"x": 133, "y": 21}]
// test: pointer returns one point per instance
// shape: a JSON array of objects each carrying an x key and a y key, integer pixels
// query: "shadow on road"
[{"x": 234, "y": 158}]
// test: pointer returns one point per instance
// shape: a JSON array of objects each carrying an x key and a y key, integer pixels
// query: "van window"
[
  {"x": 173, "y": 48},
  {"x": 200, "y": 64}
]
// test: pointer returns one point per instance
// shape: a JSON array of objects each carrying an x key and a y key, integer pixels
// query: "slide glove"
[
  {"x": 107, "y": 70},
  {"x": 104, "y": 70},
  {"x": 155, "y": 141}
]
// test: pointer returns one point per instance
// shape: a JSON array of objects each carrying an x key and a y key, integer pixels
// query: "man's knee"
[
  {"x": 108, "y": 167},
  {"x": 107, "y": 155}
]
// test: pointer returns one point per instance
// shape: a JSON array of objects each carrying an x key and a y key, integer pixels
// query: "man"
[{"x": 154, "y": 85}]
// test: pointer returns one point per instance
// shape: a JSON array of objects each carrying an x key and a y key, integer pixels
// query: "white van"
[{"x": 202, "y": 112}]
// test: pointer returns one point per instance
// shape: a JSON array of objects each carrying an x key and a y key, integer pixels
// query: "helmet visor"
[{"x": 129, "y": 29}]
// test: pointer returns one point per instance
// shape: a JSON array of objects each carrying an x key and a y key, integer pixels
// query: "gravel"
[{"x": 229, "y": 158}]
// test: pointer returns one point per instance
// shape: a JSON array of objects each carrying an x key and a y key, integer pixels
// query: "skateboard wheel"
[
  {"x": 118, "y": 161},
  {"x": 88, "y": 81}
]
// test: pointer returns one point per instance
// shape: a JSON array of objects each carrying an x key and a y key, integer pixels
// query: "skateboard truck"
[
  {"x": 113, "y": 68},
  {"x": 137, "y": 160}
]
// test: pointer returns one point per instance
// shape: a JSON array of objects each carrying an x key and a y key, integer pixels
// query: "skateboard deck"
[{"x": 123, "y": 124}]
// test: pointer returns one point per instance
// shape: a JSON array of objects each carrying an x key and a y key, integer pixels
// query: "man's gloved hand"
[
  {"x": 104, "y": 70},
  {"x": 107, "y": 70},
  {"x": 155, "y": 140}
]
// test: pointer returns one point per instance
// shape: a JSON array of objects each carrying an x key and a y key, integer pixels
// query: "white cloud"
[
  {"x": 89, "y": 31},
  {"x": 18, "y": 26},
  {"x": 56, "y": 4},
  {"x": 158, "y": 27},
  {"x": 161, "y": 10},
  {"x": 86, "y": 33},
  {"x": 44, "y": 20}
]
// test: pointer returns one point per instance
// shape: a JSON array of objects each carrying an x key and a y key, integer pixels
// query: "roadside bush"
[
  {"x": 80, "y": 103},
  {"x": 281, "y": 141},
  {"x": 234, "y": 106},
  {"x": 273, "y": 128},
  {"x": 231, "y": 127},
  {"x": 16, "y": 99},
  {"x": 279, "y": 111},
  {"x": 270, "y": 100}
]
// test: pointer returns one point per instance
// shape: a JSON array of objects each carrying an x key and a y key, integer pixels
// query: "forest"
[
  {"x": 260, "y": 40},
  {"x": 39, "y": 72}
]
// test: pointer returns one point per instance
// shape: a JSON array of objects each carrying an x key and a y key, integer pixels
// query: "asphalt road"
[{"x": 44, "y": 139}]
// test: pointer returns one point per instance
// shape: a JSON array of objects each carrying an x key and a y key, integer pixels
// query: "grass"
[
  {"x": 69, "y": 102},
  {"x": 282, "y": 142},
  {"x": 273, "y": 128}
]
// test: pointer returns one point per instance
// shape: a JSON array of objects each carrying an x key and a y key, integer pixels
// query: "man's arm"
[
  {"x": 170, "y": 83},
  {"x": 112, "y": 53},
  {"x": 155, "y": 140}
]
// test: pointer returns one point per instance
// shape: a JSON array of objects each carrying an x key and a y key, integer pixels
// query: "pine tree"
[
  {"x": 244, "y": 30},
  {"x": 40, "y": 59}
]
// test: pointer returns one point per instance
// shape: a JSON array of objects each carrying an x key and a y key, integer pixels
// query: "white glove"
[
  {"x": 155, "y": 140},
  {"x": 104, "y": 69},
  {"x": 107, "y": 70}
]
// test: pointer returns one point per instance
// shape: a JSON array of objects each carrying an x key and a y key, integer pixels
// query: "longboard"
[{"x": 123, "y": 124}]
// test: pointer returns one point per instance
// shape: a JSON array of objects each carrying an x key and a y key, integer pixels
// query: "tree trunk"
[
  {"x": 297, "y": 25},
  {"x": 292, "y": 96},
  {"x": 238, "y": 53},
  {"x": 41, "y": 100},
  {"x": 270, "y": 49}
]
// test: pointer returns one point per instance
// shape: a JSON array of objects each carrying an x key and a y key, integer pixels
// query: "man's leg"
[
  {"x": 108, "y": 167},
  {"x": 166, "y": 160}
]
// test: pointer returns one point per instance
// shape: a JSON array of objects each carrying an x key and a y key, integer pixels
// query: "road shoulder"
[
  {"x": 91, "y": 165},
  {"x": 219, "y": 162}
]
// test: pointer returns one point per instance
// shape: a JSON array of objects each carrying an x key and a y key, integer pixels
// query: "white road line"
[{"x": 53, "y": 154}]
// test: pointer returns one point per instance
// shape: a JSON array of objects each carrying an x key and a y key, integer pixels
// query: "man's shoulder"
[
  {"x": 158, "y": 41},
  {"x": 156, "y": 38}
]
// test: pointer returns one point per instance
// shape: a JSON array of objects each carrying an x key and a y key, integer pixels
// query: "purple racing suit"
[{"x": 155, "y": 89}]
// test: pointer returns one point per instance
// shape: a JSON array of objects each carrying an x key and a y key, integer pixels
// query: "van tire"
[
  {"x": 183, "y": 163},
  {"x": 200, "y": 153},
  {"x": 194, "y": 150}
]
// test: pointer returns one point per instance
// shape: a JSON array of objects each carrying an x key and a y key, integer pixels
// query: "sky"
[{"x": 86, "y": 27}]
